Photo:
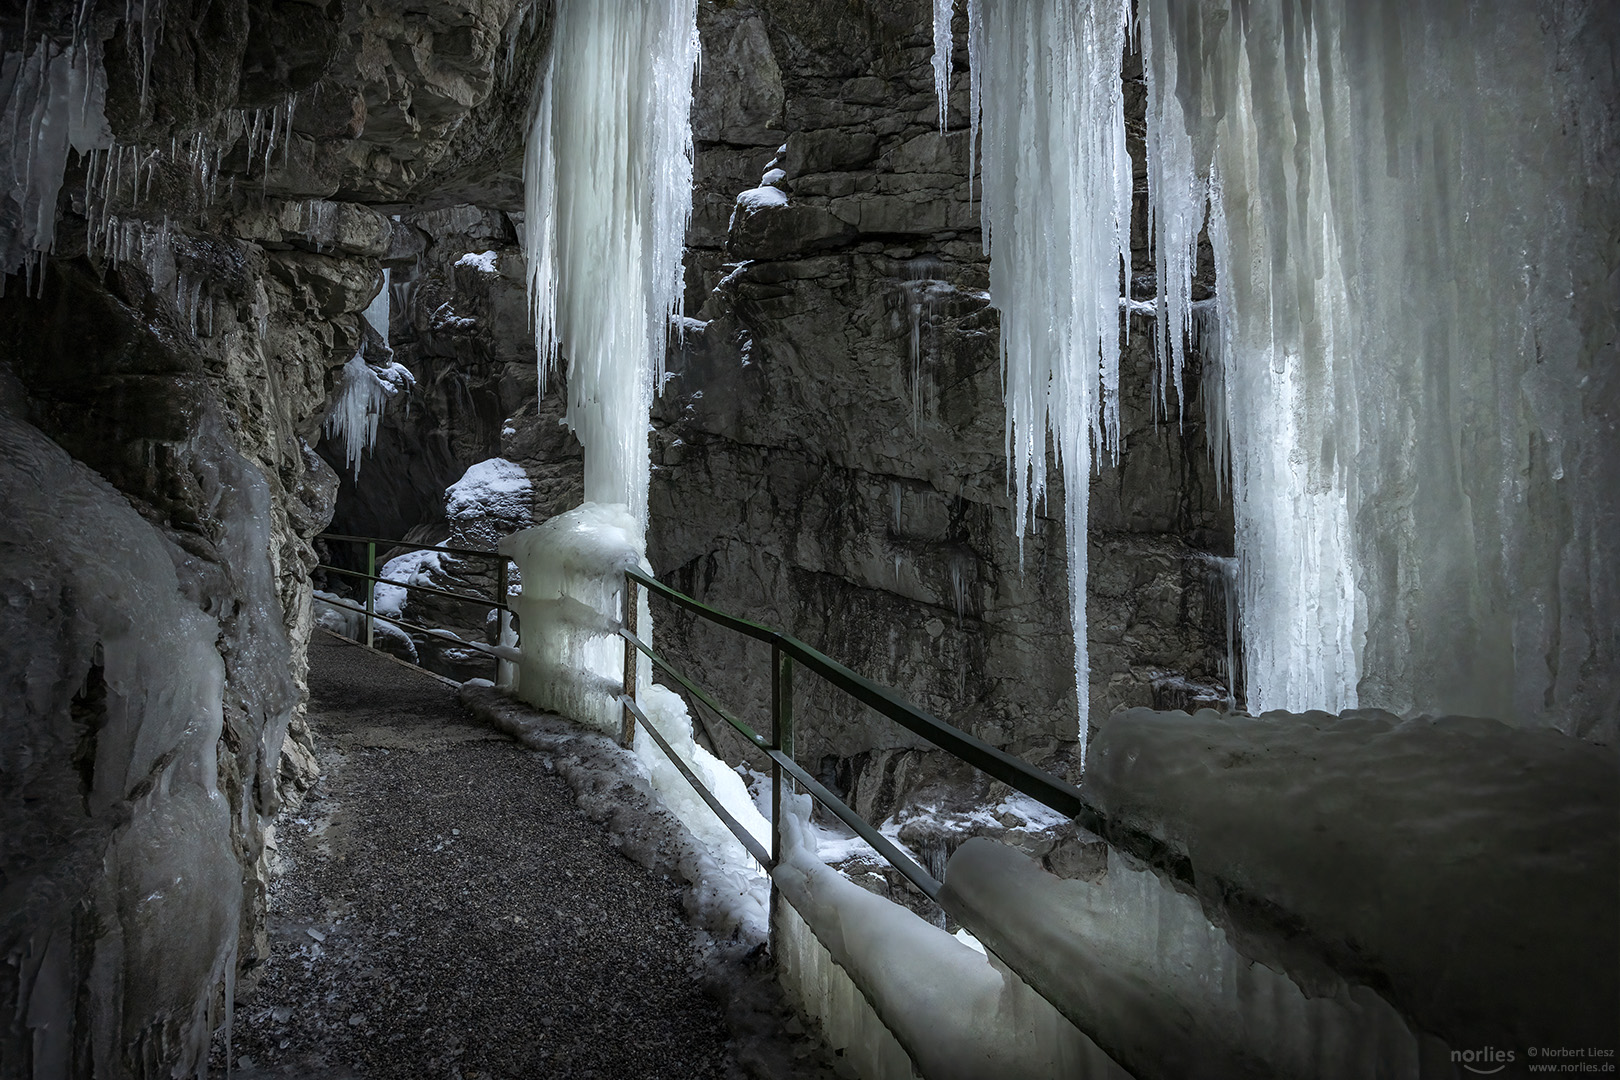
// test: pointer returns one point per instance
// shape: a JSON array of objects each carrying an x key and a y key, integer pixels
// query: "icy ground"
[{"x": 447, "y": 910}]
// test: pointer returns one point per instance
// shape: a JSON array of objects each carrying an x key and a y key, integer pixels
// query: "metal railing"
[
  {"x": 369, "y": 615},
  {"x": 786, "y": 652}
]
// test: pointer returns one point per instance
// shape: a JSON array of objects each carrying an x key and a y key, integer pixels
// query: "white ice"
[
  {"x": 1416, "y": 335},
  {"x": 1056, "y": 208},
  {"x": 608, "y": 191},
  {"x": 954, "y": 1011}
]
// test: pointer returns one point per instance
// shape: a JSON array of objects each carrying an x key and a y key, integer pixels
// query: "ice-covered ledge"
[{"x": 1467, "y": 870}]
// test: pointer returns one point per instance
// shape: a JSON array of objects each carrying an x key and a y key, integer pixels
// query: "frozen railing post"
[
  {"x": 627, "y": 729},
  {"x": 781, "y": 740},
  {"x": 371, "y": 589},
  {"x": 503, "y": 618}
]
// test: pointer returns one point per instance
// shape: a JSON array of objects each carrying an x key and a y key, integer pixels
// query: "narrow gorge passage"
[{"x": 446, "y": 910}]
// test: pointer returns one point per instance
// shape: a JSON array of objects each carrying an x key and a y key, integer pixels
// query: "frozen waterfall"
[
  {"x": 608, "y": 191},
  {"x": 608, "y": 186},
  {"x": 1048, "y": 103},
  {"x": 1411, "y": 352},
  {"x": 1419, "y": 334}
]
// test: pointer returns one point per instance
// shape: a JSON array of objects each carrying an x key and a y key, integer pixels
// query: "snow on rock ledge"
[
  {"x": 1470, "y": 868},
  {"x": 491, "y": 499}
]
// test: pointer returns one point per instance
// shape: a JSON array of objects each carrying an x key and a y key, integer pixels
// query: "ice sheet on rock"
[
  {"x": 1472, "y": 868},
  {"x": 955, "y": 1011},
  {"x": 608, "y": 191},
  {"x": 377, "y": 312},
  {"x": 97, "y": 630},
  {"x": 1417, "y": 361},
  {"x": 1136, "y": 965},
  {"x": 1056, "y": 209}
]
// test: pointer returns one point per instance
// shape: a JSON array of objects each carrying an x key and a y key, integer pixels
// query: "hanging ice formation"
[
  {"x": 943, "y": 42},
  {"x": 54, "y": 99},
  {"x": 355, "y": 413},
  {"x": 1419, "y": 335},
  {"x": 1047, "y": 100},
  {"x": 608, "y": 191}
]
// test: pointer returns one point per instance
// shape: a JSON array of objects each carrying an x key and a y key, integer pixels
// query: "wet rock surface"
[{"x": 446, "y": 910}]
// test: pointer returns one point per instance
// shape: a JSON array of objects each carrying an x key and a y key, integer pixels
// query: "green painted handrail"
[{"x": 1038, "y": 784}]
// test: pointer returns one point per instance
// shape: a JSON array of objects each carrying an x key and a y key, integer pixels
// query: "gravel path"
[{"x": 448, "y": 911}]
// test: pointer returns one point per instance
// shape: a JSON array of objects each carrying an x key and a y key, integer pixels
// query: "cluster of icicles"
[
  {"x": 1419, "y": 470},
  {"x": 55, "y": 104}
]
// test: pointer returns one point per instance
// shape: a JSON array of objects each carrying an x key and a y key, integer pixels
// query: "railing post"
[
  {"x": 627, "y": 728},
  {"x": 781, "y": 740},
  {"x": 503, "y": 620},
  {"x": 371, "y": 588}
]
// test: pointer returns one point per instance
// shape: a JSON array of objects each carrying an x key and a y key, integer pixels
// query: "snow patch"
[{"x": 483, "y": 262}]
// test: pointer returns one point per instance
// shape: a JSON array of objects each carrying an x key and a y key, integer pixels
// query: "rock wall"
[
  {"x": 224, "y": 216},
  {"x": 829, "y": 453}
]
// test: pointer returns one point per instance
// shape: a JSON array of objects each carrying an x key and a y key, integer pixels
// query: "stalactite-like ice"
[
  {"x": 355, "y": 413},
  {"x": 608, "y": 191},
  {"x": 53, "y": 102},
  {"x": 943, "y": 43},
  {"x": 1056, "y": 217},
  {"x": 1415, "y": 283}
]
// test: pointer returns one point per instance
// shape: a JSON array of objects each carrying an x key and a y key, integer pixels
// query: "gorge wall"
[
  {"x": 828, "y": 455},
  {"x": 167, "y": 359}
]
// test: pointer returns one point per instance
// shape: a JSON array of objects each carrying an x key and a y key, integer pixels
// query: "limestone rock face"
[
  {"x": 174, "y": 355},
  {"x": 830, "y": 451}
]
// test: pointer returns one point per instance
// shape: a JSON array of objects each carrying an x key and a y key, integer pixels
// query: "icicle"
[
  {"x": 943, "y": 41},
  {"x": 608, "y": 178},
  {"x": 1056, "y": 221},
  {"x": 361, "y": 399},
  {"x": 53, "y": 104}
]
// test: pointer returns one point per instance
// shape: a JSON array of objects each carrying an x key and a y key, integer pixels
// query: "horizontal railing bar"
[
  {"x": 1038, "y": 784},
  {"x": 714, "y": 615},
  {"x": 882, "y": 844},
  {"x": 697, "y": 691},
  {"x": 483, "y": 600},
  {"x": 744, "y": 837},
  {"x": 440, "y": 633},
  {"x": 913, "y": 873},
  {"x": 414, "y": 547}
]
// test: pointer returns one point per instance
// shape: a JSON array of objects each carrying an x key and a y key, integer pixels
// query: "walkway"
[{"x": 448, "y": 911}]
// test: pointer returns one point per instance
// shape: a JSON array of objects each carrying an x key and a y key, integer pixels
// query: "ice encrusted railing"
[{"x": 1122, "y": 974}]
